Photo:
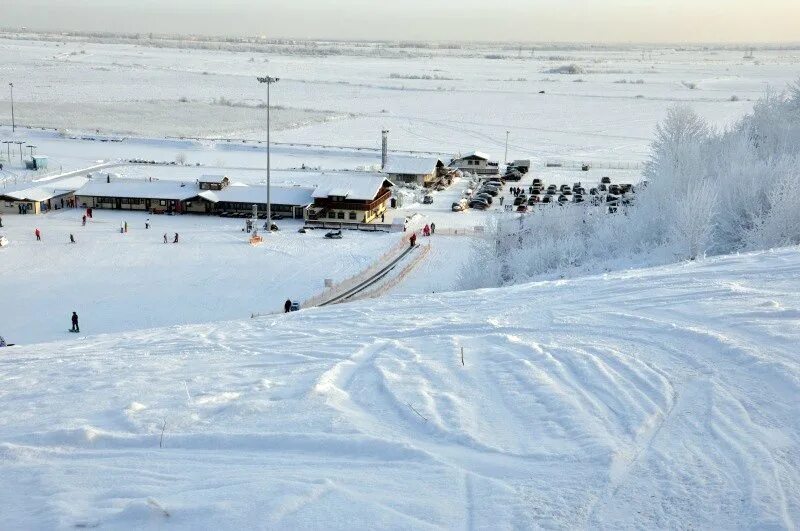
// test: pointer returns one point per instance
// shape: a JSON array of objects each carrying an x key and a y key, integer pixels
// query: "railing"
[
  {"x": 384, "y": 288},
  {"x": 340, "y": 225},
  {"x": 349, "y": 283}
]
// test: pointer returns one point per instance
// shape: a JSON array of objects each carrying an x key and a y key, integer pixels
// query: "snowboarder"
[
  {"x": 75, "y": 327},
  {"x": 413, "y": 239},
  {"x": 433, "y": 228},
  {"x": 38, "y": 234},
  {"x": 176, "y": 238},
  {"x": 147, "y": 223},
  {"x": 165, "y": 237},
  {"x": 71, "y": 238},
  {"x": 287, "y": 306},
  {"x": 84, "y": 220}
]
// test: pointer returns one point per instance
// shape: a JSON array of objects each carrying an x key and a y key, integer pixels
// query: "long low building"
[
  {"x": 348, "y": 197},
  {"x": 41, "y": 198}
]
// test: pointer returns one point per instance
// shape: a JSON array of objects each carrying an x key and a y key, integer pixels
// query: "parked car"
[
  {"x": 563, "y": 199},
  {"x": 567, "y": 192},
  {"x": 578, "y": 199},
  {"x": 458, "y": 206},
  {"x": 427, "y": 200},
  {"x": 537, "y": 182},
  {"x": 564, "y": 187},
  {"x": 551, "y": 191},
  {"x": 592, "y": 191},
  {"x": 478, "y": 204},
  {"x": 486, "y": 197},
  {"x": 522, "y": 208},
  {"x": 533, "y": 200},
  {"x": 489, "y": 190},
  {"x": 603, "y": 188},
  {"x": 518, "y": 201},
  {"x": 605, "y": 180},
  {"x": 546, "y": 199}
]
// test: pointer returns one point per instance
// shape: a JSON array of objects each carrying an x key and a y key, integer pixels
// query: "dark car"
[
  {"x": 551, "y": 191},
  {"x": 485, "y": 197},
  {"x": 522, "y": 208},
  {"x": 488, "y": 190},
  {"x": 563, "y": 199},
  {"x": 578, "y": 199},
  {"x": 478, "y": 204},
  {"x": 518, "y": 201},
  {"x": 567, "y": 192},
  {"x": 533, "y": 200},
  {"x": 592, "y": 191},
  {"x": 546, "y": 199},
  {"x": 564, "y": 187},
  {"x": 537, "y": 182},
  {"x": 603, "y": 188},
  {"x": 605, "y": 180}
]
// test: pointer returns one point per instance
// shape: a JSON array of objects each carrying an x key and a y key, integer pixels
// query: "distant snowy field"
[
  {"x": 429, "y": 99},
  {"x": 650, "y": 399}
]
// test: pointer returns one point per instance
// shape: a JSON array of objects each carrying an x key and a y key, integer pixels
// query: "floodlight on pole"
[
  {"x": 13, "y": 123},
  {"x": 269, "y": 81},
  {"x": 506, "y": 156}
]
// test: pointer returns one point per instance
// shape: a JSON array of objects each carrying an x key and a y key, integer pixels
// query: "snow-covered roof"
[
  {"x": 279, "y": 195},
  {"x": 351, "y": 185},
  {"x": 476, "y": 155},
  {"x": 212, "y": 178},
  {"x": 141, "y": 189},
  {"x": 46, "y": 191},
  {"x": 406, "y": 165}
]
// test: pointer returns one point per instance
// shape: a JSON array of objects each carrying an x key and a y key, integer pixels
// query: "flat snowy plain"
[{"x": 662, "y": 398}]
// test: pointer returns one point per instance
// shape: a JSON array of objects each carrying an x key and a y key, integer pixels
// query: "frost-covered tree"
[{"x": 709, "y": 192}]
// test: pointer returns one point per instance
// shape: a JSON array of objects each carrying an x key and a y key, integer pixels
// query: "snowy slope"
[{"x": 662, "y": 398}]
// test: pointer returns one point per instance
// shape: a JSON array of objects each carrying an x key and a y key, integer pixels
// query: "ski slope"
[{"x": 660, "y": 398}]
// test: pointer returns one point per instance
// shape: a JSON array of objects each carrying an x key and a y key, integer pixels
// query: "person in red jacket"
[
  {"x": 413, "y": 239},
  {"x": 38, "y": 235}
]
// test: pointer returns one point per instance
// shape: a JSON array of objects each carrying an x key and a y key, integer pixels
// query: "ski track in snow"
[{"x": 659, "y": 398}]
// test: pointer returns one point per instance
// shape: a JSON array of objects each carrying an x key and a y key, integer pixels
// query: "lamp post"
[
  {"x": 269, "y": 81},
  {"x": 506, "y": 156},
  {"x": 13, "y": 123}
]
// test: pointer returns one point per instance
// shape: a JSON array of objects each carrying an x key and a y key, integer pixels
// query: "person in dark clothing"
[
  {"x": 287, "y": 306},
  {"x": 75, "y": 327},
  {"x": 176, "y": 238},
  {"x": 165, "y": 238},
  {"x": 38, "y": 234},
  {"x": 84, "y": 220},
  {"x": 433, "y": 228},
  {"x": 71, "y": 238},
  {"x": 382, "y": 219},
  {"x": 413, "y": 239},
  {"x": 1, "y": 223}
]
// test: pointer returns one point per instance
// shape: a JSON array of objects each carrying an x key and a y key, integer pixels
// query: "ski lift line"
[{"x": 371, "y": 281}]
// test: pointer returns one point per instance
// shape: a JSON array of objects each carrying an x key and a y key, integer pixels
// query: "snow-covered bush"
[{"x": 708, "y": 192}]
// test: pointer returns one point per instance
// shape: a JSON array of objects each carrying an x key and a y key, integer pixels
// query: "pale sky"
[{"x": 513, "y": 20}]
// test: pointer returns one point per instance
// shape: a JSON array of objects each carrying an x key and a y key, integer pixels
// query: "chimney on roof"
[{"x": 384, "y": 147}]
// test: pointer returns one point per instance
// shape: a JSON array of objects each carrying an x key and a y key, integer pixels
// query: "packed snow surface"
[{"x": 660, "y": 398}]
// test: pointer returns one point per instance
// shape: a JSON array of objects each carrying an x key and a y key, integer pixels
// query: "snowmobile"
[{"x": 334, "y": 235}]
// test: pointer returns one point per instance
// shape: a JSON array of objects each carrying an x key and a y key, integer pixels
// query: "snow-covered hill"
[{"x": 662, "y": 398}]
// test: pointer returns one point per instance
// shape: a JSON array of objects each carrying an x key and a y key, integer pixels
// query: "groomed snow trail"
[{"x": 658, "y": 398}]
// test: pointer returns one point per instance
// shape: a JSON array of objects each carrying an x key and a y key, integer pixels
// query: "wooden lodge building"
[{"x": 351, "y": 198}]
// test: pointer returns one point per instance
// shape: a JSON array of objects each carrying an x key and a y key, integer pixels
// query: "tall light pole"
[
  {"x": 505, "y": 159},
  {"x": 269, "y": 81},
  {"x": 13, "y": 124}
]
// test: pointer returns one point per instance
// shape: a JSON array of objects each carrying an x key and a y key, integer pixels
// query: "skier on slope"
[
  {"x": 287, "y": 306},
  {"x": 75, "y": 327}
]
